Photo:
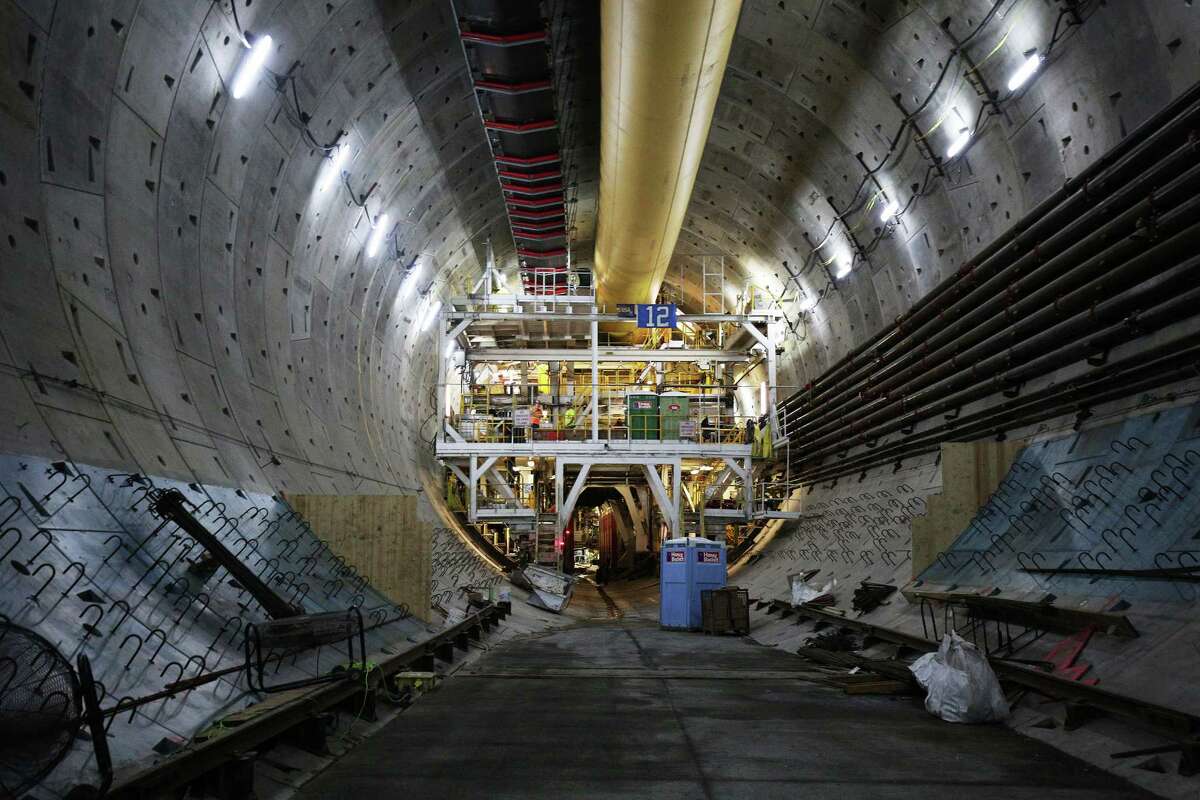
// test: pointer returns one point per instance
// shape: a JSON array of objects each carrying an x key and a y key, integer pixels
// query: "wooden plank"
[{"x": 381, "y": 536}]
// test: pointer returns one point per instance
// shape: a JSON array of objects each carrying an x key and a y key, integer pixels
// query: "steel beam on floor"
[{"x": 279, "y": 715}]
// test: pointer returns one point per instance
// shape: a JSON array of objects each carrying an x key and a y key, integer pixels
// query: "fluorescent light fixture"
[
  {"x": 959, "y": 143},
  {"x": 252, "y": 64},
  {"x": 843, "y": 268},
  {"x": 377, "y": 234},
  {"x": 431, "y": 315},
  {"x": 890, "y": 209},
  {"x": 333, "y": 170},
  {"x": 1024, "y": 72}
]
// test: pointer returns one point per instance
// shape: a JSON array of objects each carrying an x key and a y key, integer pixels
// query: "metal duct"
[{"x": 661, "y": 67}]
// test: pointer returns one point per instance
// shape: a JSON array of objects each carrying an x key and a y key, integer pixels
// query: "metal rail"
[{"x": 290, "y": 709}]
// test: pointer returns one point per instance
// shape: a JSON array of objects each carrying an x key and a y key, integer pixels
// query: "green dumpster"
[
  {"x": 672, "y": 410},
  {"x": 641, "y": 414}
]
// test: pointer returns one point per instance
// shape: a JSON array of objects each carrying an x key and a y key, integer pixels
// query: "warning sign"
[
  {"x": 674, "y": 556},
  {"x": 708, "y": 556},
  {"x": 521, "y": 417}
]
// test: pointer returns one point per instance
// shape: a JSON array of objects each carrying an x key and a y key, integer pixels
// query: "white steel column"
[
  {"x": 477, "y": 472},
  {"x": 440, "y": 391},
  {"x": 595, "y": 381},
  {"x": 494, "y": 477},
  {"x": 746, "y": 476},
  {"x": 772, "y": 380},
  {"x": 568, "y": 505},
  {"x": 768, "y": 346},
  {"x": 668, "y": 506},
  {"x": 441, "y": 378}
]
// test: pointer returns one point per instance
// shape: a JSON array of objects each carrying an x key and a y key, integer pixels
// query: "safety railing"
[{"x": 529, "y": 412}]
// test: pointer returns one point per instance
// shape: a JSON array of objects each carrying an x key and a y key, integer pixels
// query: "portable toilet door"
[
  {"x": 641, "y": 414},
  {"x": 675, "y": 572},
  {"x": 673, "y": 408}
]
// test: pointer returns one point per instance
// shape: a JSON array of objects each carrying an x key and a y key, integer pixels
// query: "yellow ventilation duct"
[{"x": 661, "y": 65}]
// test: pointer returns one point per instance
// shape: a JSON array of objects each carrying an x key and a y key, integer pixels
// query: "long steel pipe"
[
  {"x": 1120, "y": 165},
  {"x": 1057, "y": 346},
  {"x": 1118, "y": 215},
  {"x": 661, "y": 66},
  {"x": 1112, "y": 382},
  {"x": 1067, "y": 290}
]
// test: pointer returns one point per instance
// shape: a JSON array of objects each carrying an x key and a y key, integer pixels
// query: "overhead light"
[
  {"x": 1025, "y": 71},
  {"x": 843, "y": 268},
  {"x": 890, "y": 209},
  {"x": 431, "y": 315},
  {"x": 959, "y": 143},
  {"x": 377, "y": 234},
  {"x": 333, "y": 170},
  {"x": 252, "y": 64}
]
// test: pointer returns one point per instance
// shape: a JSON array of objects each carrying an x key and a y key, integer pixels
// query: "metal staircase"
[{"x": 545, "y": 553}]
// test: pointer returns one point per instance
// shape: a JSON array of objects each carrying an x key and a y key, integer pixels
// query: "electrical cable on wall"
[{"x": 923, "y": 187}]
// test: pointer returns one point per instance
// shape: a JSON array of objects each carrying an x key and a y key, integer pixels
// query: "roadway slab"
[{"x": 616, "y": 708}]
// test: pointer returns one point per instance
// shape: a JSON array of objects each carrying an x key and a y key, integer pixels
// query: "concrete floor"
[{"x": 615, "y": 707}]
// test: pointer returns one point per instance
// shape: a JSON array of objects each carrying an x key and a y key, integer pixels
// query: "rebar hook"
[
  {"x": 137, "y": 650},
  {"x": 53, "y": 574}
]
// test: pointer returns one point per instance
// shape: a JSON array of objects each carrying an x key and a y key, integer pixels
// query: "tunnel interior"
[{"x": 342, "y": 313}]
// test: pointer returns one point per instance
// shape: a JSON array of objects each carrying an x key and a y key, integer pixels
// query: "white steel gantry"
[{"x": 546, "y": 380}]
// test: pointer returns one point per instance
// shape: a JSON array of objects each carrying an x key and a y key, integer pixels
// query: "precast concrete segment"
[{"x": 626, "y": 712}]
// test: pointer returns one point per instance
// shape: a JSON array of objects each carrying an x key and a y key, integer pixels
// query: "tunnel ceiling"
[
  {"x": 810, "y": 86},
  {"x": 178, "y": 295},
  {"x": 179, "y": 298}
]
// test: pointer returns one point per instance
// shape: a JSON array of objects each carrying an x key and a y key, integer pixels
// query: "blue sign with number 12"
[{"x": 656, "y": 316}]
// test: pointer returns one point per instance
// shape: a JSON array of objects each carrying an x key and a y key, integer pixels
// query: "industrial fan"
[{"x": 40, "y": 708}]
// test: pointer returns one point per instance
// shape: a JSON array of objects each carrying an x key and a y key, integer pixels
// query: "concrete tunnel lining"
[{"x": 179, "y": 300}]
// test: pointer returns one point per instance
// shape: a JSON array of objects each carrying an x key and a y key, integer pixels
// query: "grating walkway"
[{"x": 618, "y": 708}]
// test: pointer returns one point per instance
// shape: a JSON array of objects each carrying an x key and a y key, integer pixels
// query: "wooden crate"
[{"x": 725, "y": 610}]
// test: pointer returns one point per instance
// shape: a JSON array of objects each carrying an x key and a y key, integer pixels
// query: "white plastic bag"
[
  {"x": 802, "y": 592},
  {"x": 960, "y": 683}
]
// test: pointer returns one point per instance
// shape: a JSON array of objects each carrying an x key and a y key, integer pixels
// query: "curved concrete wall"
[
  {"x": 810, "y": 87},
  {"x": 178, "y": 296}
]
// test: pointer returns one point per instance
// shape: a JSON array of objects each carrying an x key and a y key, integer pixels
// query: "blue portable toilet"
[{"x": 688, "y": 567}]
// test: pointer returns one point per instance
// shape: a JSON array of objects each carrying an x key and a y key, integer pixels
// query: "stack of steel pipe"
[{"x": 1106, "y": 261}]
